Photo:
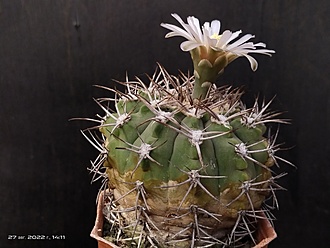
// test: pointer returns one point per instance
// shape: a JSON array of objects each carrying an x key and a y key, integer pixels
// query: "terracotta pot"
[
  {"x": 97, "y": 229},
  {"x": 266, "y": 232}
]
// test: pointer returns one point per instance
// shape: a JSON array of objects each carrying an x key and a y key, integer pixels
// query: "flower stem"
[{"x": 208, "y": 64}]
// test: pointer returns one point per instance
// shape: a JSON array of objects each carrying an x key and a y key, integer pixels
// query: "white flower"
[{"x": 209, "y": 36}]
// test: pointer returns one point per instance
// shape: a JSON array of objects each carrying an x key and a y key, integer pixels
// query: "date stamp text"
[{"x": 36, "y": 237}]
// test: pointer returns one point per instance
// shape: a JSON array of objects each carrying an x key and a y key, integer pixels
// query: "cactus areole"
[{"x": 186, "y": 163}]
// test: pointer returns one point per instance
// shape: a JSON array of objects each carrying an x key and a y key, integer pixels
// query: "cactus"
[{"x": 186, "y": 163}]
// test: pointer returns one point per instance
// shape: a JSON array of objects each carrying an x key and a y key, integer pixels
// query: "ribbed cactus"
[{"x": 186, "y": 163}]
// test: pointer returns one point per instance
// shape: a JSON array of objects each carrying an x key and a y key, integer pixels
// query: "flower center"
[{"x": 215, "y": 36}]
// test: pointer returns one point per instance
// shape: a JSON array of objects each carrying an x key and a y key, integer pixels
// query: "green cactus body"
[{"x": 172, "y": 162}]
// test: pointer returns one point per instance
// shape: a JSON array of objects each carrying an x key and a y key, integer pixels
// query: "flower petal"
[
  {"x": 184, "y": 25},
  {"x": 253, "y": 62},
  {"x": 225, "y": 38},
  {"x": 176, "y": 31},
  {"x": 215, "y": 27},
  {"x": 240, "y": 41},
  {"x": 195, "y": 28},
  {"x": 189, "y": 45},
  {"x": 235, "y": 35},
  {"x": 206, "y": 29}
]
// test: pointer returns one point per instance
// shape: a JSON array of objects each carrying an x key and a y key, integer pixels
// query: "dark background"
[{"x": 52, "y": 52}]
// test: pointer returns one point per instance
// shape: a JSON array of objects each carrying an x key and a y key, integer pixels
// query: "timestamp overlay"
[{"x": 36, "y": 237}]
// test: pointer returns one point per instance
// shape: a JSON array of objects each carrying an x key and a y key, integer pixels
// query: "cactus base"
[{"x": 265, "y": 232}]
